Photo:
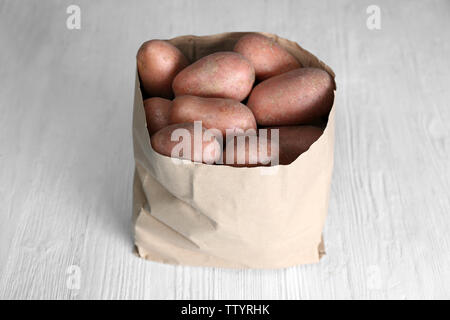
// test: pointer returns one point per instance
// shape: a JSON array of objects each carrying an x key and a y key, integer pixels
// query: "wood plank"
[{"x": 66, "y": 160}]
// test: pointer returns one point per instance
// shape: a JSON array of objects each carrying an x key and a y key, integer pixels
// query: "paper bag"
[{"x": 221, "y": 216}]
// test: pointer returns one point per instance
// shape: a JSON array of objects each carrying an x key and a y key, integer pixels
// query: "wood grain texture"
[{"x": 66, "y": 160}]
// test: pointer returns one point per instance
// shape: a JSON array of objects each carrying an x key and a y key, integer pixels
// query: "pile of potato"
[{"x": 258, "y": 85}]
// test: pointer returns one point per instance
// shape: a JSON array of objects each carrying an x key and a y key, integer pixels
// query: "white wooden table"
[{"x": 66, "y": 161}]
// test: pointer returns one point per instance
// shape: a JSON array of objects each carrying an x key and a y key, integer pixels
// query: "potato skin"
[
  {"x": 210, "y": 152},
  {"x": 215, "y": 113},
  {"x": 294, "y": 97},
  {"x": 218, "y": 75},
  {"x": 157, "y": 113},
  {"x": 252, "y": 156},
  {"x": 295, "y": 140},
  {"x": 158, "y": 63},
  {"x": 268, "y": 58}
]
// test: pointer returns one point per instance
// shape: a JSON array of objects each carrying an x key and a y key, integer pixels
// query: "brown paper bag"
[{"x": 221, "y": 216}]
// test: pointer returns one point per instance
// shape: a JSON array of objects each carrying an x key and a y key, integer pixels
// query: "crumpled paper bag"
[{"x": 221, "y": 216}]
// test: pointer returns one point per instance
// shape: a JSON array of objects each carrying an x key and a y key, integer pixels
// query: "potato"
[
  {"x": 215, "y": 113},
  {"x": 170, "y": 141},
  {"x": 294, "y": 97},
  {"x": 268, "y": 57},
  {"x": 157, "y": 112},
  {"x": 294, "y": 140},
  {"x": 218, "y": 75},
  {"x": 158, "y": 63},
  {"x": 251, "y": 151}
]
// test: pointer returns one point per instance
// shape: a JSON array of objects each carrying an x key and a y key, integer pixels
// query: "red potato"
[
  {"x": 251, "y": 152},
  {"x": 215, "y": 113},
  {"x": 295, "y": 140},
  {"x": 294, "y": 97},
  {"x": 157, "y": 113},
  {"x": 218, "y": 75},
  {"x": 158, "y": 63},
  {"x": 181, "y": 141},
  {"x": 268, "y": 57}
]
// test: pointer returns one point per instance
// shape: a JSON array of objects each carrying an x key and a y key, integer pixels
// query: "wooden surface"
[{"x": 66, "y": 161}]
